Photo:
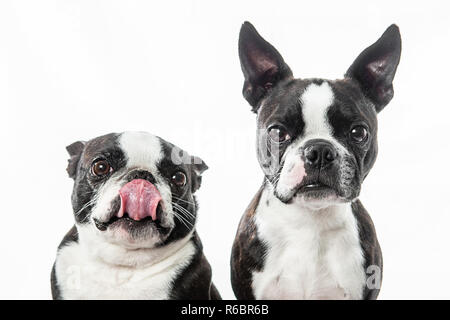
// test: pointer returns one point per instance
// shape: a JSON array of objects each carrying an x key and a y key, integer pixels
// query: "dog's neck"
[{"x": 116, "y": 255}]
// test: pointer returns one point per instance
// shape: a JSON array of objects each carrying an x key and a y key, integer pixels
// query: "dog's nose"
[
  {"x": 141, "y": 174},
  {"x": 319, "y": 153}
]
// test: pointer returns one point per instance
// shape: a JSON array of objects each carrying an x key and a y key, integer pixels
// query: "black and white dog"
[
  {"x": 135, "y": 212},
  {"x": 306, "y": 235}
]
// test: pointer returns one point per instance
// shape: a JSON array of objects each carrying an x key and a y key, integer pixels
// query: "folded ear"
[
  {"x": 261, "y": 64},
  {"x": 198, "y": 167},
  {"x": 74, "y": 150},
  {"x": 375, "y": 67}
]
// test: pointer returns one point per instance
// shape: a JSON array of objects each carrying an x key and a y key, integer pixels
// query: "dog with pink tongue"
[{"x": 135, "y": 212}]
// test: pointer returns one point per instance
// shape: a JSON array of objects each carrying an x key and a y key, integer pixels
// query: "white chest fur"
[
  {"x": 310, "y": 254},
  {"x": 81, "y": 275}
]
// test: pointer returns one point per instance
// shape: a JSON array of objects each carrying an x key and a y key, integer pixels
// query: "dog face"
[
  {"x": 134, "y": 189},
  {"x": 316, "y": 138}
]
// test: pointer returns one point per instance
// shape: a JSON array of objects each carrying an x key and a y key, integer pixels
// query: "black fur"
[
  {"x": 195, "y": 281},
  {"x": 71, "y": 236},
  {"x": 262, "y": 65},
  {"x": 357, "y": 99},
  {"x": 350, "y": 108},
  {"x": 248, "y": 253},
  {"x": 85, "y": 183},
  {"x": 375, "y": 67},
  {"x": 369, "y": 244},
  {"x": 74, "y": 150},
  {"x": 183, "y": 197},
  {"x": 273, "y": 93}
]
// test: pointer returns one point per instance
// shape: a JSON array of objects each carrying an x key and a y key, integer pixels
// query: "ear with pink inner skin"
[
  {"x": 262, "y": 65},
  {"x": 374, "y": 69}
]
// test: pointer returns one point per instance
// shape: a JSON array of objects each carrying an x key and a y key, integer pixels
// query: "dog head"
[
  {"x": 317, "y": 138},
  {"x": 134, "y": 189}
]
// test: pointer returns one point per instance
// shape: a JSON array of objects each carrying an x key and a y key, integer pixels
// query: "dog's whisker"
[
  {"x": 184, "y": 215},
  {"x": 186, "y": 212},
  {"x": 183, "y": 210},
  {"x": 89, "y": 203},
  {"x": 183, "y": 220},
  {"x": 182, "y": 200}
]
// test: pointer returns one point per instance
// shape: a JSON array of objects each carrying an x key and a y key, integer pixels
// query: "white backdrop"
[{"x": 73, "y": 70}]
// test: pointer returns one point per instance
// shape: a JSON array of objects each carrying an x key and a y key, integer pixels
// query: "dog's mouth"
[
  {"x": 316, "y": 189},
  {"x": 126, "y": 220},
  {"x": 138, "y": 205}
]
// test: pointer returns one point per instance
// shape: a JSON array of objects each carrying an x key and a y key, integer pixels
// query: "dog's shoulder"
[
  {"x": 193, "y": 282},
  {"x": 69, "y": 238},
  {"x": 248, "y": 251},
  {"x": 370, "y": 247}
]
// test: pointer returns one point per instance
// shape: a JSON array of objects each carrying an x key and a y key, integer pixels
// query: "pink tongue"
[{"x": 139, "y": 198}]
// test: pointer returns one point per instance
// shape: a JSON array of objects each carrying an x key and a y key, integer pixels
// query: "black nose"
[
  {"x": 141, "y": 174},
  {"x": 319, "y": 153}
]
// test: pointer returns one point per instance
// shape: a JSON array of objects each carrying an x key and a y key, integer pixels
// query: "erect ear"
[
  {"x": 262, "y": 65},
  {"x": 74, "y": 150},
  {"x": 198, "y": 167},
  {"x": 375, "y": 67}
]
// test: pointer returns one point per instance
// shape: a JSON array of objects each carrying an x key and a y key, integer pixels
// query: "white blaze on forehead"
[
  {"x": 143, "y": 150},
  {"x": 316, "y": 100}
]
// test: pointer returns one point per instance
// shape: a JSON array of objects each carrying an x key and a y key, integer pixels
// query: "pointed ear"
[
  {"x": 74, "y": 150},
  {"x": 198, "y": 167},
  {"x": 375, "y": 67},
  {"x": 261, "y": 64}
]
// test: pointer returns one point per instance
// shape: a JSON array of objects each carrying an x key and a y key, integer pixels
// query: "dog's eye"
[
  {"x": 101, "y": 167},
  {"x": 278, "y": 134},
  {"x": 178, "y": 179},
  {"x": 268, "y": 85},
  {"x": 359, "y": 134}
]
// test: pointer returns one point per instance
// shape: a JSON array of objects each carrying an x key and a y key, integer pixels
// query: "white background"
[{"x": 73, "y": 70}]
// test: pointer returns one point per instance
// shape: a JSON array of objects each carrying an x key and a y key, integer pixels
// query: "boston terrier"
[
  {"x": 135, "y": 212},
  {"x": 305, "y": 235}
]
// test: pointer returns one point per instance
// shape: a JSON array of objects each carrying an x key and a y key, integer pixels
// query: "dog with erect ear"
[
  {"x": 135, "y": 213},
  {"x": 305, "y": 235}
]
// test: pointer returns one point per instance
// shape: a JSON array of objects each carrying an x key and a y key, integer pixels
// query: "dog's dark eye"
[
  {"x": 359, "y": 134},
  {"x": 178, "y": 179},
  {"x": 101, "y": 167},
  {"x": 278, "y": 134},
  {"x": 268, "y": 85}
]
